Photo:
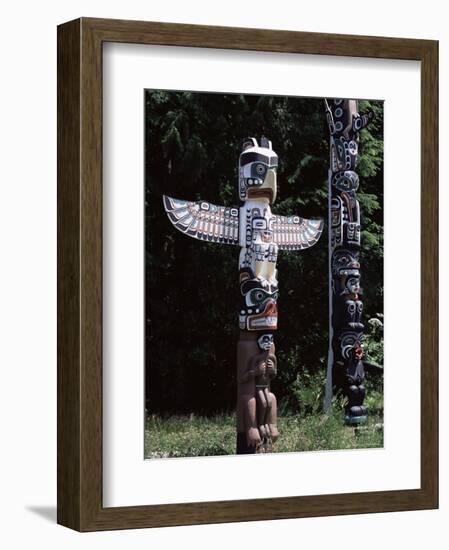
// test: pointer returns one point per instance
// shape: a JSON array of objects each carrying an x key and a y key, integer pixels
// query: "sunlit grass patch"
[{"x": 187, "y": 436}]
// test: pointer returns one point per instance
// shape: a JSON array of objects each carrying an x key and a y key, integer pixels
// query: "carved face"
[
  {"x": 346, "y": 272},
  {"x": 258, "y": 309},
  {"x": 346, "y": 181},
  {"x": 351, "y": 346},
  {"x": 346, "y": 262},
  {"x": 257, "y": 171},
  {"x": 260, "y": 228},
  {"x": 265, "y": 342}
]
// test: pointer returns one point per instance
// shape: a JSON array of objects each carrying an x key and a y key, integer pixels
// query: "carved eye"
[
  {"x": 259, "y": 295},
  {"x": 353, "y": 147},
  {"x": 260, "y": 169}
]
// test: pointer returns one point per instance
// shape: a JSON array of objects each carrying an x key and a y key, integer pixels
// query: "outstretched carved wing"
[
  {"x": 295, "y": 233},
  {"x": 203, "y": 220}
]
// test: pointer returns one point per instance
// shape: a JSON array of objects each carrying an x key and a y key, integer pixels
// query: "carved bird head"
[{"x": 257, "y": 170}]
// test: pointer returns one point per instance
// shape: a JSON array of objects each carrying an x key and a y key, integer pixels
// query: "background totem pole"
[
  {"x": 345, "y": 366},
  {"x": 260, "y": 234}
]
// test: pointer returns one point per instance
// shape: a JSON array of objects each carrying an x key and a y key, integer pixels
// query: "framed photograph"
[{"x": 208, "y": 176}]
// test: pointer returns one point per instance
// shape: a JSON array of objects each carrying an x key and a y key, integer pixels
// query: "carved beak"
[
  {"x": 267, "y": 190},
  {"x": 267, "y": 319},
  {"x": 270, "y": 183}
]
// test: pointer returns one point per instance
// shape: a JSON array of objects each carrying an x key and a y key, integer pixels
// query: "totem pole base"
[
  {"x": 266, "y": 446},
  {"x": 355, "y": 420},
  {"x": 242, "y": 447}
]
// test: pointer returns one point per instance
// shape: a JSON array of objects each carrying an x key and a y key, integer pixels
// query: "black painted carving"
[{"x": 346, "y": 307}]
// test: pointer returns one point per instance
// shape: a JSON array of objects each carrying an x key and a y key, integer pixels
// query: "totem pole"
[
  {"x": 345, "y": 366},
  {"x": 260, "y": 234}
]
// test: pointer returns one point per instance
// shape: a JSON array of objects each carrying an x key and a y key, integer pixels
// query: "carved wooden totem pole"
[
  {"x": 260, "y": 234},
  {"x": 345, "y": 366}
]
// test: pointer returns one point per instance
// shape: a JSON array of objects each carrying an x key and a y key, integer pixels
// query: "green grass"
[
  {"x": 305, "y": 430},
  {"x": 182, "y": 436}
]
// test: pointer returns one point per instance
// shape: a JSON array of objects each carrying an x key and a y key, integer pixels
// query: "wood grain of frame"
[{"x": 80, "y": 274}]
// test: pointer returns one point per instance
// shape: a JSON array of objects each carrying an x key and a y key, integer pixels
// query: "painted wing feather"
[
  {"x": 295, "y": 233},
  {"x": 203, "y": 220}
]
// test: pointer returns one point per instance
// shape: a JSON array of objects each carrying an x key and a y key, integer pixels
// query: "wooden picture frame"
[{"x": 80, "y": 503}]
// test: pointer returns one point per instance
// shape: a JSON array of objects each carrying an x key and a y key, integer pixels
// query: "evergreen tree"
[{"x": 192, "y": 293}]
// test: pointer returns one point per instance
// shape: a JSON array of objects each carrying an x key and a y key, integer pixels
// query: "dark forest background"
[{"x": 192, "y": 145}]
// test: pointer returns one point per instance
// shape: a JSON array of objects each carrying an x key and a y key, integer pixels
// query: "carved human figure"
[
  {"x": 256, "y": 404},
  {"x": 354, "y": 388},
  {"x": 266, "y": 401}
]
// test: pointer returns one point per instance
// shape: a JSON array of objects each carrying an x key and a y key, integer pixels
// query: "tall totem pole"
[
  {"x": 345, "y": 366},
  {"x": 260, "y": 234}
]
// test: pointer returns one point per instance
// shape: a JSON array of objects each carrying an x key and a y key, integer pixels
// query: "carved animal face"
[
  {"x": 346, "y": 262},
  {"x": 258, "y": 309},
  {"x": 351, "y": 345},
  {"x": 346, "y": 272},
  {"x": 257, "y": 170},
  {"x": 346, "y": 181}
]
